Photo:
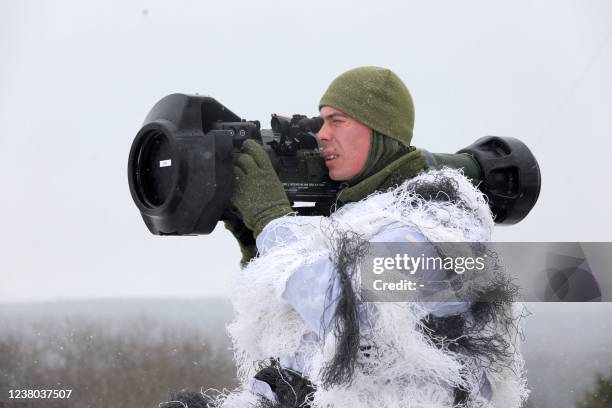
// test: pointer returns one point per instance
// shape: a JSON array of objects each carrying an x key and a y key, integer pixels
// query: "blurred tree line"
[
  {"x": 601, "y": 394},
  {"x": 137, "y": 365}
]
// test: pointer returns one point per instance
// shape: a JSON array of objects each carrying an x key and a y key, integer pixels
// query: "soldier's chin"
[
  {"x": 335, "y": 176},
  {"x": 338, "y": 176},
  {"x": 338, "y": 171}
]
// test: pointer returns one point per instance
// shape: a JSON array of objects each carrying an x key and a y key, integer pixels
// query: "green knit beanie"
[{"x": 375, "y": 97}]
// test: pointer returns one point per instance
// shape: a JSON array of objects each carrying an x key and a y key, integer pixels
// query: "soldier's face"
[{"x": 346, "y": 144}]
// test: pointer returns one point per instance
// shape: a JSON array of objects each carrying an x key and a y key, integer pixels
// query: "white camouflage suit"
[{"x": 283, "y": 310}]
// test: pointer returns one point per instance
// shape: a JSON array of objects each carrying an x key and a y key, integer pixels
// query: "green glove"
[
  {"x": 258, "y": 193},
  {"x": 245, "y": 239}
]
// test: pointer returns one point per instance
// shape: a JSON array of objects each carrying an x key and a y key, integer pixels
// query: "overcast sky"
[{"x": 77, "y": 79}]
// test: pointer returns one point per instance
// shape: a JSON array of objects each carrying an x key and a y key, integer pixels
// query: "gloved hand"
[
  {"x": 245, "y": 239},
  {"x": 258, "y": 193}
]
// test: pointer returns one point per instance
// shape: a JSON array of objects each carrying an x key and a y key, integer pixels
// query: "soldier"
[{"x": 298, "y": 310}]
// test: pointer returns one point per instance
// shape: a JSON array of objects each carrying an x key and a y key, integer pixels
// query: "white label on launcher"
[{"x": 165, "y": 163}]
